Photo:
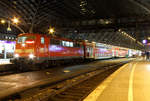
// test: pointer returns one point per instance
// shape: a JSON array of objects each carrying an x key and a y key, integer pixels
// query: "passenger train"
[{"x": 40, "y": 48}]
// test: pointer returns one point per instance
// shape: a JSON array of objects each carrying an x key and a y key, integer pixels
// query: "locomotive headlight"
[
  {"x": 16, "y": 55},
  {"x": 31, "y": 56},
  {"x": 23, "y": 45}
]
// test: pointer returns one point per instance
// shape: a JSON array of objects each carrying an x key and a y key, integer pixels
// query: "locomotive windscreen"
[{"x": 22, "y": 39}]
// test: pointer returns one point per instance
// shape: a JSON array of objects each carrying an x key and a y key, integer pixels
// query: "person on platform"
[{"x": 147, "y": 55}]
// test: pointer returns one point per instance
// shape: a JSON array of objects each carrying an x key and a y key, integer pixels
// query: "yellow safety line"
[
  {"x": 98, "y": 91},
  {"x": 130, "y": 90}
]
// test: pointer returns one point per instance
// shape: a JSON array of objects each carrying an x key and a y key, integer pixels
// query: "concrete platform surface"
[
  {"x": 131, "y": 82},
  {"x": 18, "y": 82},
  {"x": 4, "y": 61}
]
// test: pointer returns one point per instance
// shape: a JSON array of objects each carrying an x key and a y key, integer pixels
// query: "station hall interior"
[{"x": 74, "y": 50}]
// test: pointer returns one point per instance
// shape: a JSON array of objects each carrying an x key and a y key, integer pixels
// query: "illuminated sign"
[{"x": 144, "y": 41}]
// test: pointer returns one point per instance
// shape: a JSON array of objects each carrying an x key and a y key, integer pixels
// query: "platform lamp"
[
  {"x": 8, "y": 28},
  {"x": 15, "y": 20},
  {"x": 3, "y": 21},
  {"x": 5, "y": 51}
]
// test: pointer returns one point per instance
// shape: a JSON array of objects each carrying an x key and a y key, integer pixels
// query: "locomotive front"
[{"x": 25, "y": 48}]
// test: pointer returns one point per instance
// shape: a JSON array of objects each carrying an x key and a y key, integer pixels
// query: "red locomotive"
[{"x": 40, "y": 48}]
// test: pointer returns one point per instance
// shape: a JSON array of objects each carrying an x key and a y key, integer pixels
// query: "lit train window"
[
  {"x": 67, "y": 44},
  {"x": 42, "y": 40},
  {"x": 71, "y": 44},
  {"x": 63, "y": 43}
]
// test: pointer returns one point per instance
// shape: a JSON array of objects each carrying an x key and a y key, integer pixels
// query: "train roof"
[{"x": 46, "y": 35}]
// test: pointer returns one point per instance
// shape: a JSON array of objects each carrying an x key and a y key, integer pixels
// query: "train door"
[
  {"x": 43, "y": 50},
  {"x": 116, "y": 52},
  {"x": 113, "y": 53},
  {"x": 89, "y": 50},
  {"x": 46, "y": 47},
  {"x": 41, "y": 46}
]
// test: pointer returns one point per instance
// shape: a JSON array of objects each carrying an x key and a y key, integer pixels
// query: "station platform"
[
  {"x": 4, "y": 61},
  {"x": 131, "y": 82}
]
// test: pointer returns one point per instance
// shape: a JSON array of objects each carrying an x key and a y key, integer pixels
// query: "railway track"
[
  {"x": 72, "y": 89},
  {"x": 79, "y": 91},
  {"x": 8, "y": 69}
]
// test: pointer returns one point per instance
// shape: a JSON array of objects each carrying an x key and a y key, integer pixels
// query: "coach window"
[
  {"x": 67, "y": 43},
  {"x": 42, "y": 40},
  {"x": 71, "y": 44},
  {"x": 63, "y": 43}
]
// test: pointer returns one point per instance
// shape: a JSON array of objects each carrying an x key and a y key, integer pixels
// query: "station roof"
[{"x": 82, "y": 16}]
